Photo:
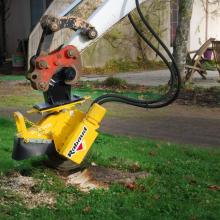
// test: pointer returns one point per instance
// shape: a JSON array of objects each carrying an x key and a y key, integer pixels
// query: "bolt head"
[
  {"x": 92, "y": 33},
  {"x": 42, "y": 86},
  {"x": 70, "y": 53},
  {"x": 43, "y": 64},
  {"x": 54, "y": 27}
]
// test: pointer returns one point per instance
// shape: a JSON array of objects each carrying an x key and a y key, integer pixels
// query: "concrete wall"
[
  {"x": 127, "y": 46},
  {"x": 122, "y": 42},
  {"x": 18, "y": 24}
]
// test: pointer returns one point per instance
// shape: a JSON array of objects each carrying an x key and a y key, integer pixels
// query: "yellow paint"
[
  {"x": 84, "y": 133},
  {"x": 65, "y": 126},
  {"x": 20, "y": 123}
]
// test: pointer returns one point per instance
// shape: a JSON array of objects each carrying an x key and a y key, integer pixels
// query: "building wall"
[
  {"x": 1, "y": 40},
  {"x": 198, "y": 32},
  {"x": 18, "y": 24},
  {"x": 198, "y": 26},
  {"x": 126, "y": 42},
  {"x": 214, "y": 21}
]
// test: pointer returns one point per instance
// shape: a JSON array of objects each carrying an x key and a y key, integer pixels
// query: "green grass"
[
  {"x": 18, "y": 100},
  {"x": 95, "y": 93},
  {"x": 30, "y": 98},
  {"x": 12, "y": 77},
  {"x": 176, "y": 189}
]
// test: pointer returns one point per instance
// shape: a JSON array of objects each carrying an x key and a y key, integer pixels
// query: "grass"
[
  {"x": 12, "y": 77},
  {"x": 95, "y": 93},
  {"x": 178, "y": 187},
  {"x": 24, "y": 97},
  {"x": 26, "y": 100}
]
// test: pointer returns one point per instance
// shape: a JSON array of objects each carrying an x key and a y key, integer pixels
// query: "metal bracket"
[{"x": 54, "y": 24}]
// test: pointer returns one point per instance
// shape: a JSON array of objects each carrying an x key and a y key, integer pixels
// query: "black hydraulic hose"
[
  {"x": 175, "y": 75},
  {"x": 162, "y": 57},
  {"x": 148, "y": 26}
]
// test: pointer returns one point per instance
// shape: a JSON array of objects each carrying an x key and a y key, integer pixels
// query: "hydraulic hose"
[{"x": 175, "y": 80}]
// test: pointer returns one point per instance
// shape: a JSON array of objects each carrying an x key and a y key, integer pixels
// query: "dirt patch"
[
  {"x": 23, "y": 187},
  {"x": 26, "y": 188},
  {"x": 96, "y": 177},
  {"x": 202, "y": 97}
]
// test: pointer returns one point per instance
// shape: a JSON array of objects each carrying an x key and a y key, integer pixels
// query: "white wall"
[
  {"x": 198, "y": 24},
  {"x": 18, "y": 24},
  {"x": 214, "y": 21},
  {"x": 197, "y": 27}
]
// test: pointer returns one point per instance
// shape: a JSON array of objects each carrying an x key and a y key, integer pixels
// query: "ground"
[
  {"x": 184, "y": 124},
  {"x": 181, "y": 165},
  {"x": 191, "y": 125},
  {"x": 183, "y": 183}
]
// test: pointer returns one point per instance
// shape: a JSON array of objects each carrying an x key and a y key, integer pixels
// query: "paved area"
[{"x": 155, "y": 78}]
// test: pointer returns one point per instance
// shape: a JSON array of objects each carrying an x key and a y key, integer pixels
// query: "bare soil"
[
  {"x": 23, "y": 187},
  {"x": 96, "y": 177}
]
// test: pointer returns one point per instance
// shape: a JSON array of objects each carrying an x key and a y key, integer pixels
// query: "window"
[
  {"x": 173, "y": 20},
  {"x": 38, "y": 7}
]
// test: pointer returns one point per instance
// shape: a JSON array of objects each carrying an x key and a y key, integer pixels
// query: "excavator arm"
[{"x": 86, "y": 33}]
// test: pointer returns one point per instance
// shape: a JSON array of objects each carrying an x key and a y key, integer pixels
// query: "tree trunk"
[{"x": 182, "y": 35}]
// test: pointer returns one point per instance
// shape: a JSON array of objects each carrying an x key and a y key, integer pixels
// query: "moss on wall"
[{"x": 121, "y": 43}]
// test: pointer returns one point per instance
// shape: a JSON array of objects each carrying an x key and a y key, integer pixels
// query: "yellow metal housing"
[{"x": 72, "y": 131}]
